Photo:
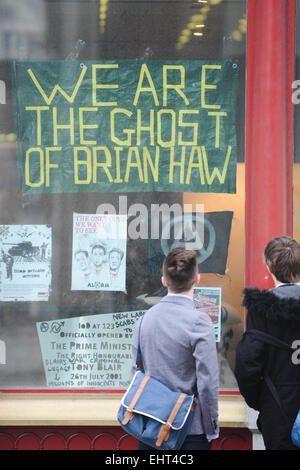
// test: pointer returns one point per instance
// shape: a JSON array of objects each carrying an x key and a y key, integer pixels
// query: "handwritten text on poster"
[
  {"x": 126, "y": 126},
  {"x": 88, "y": 352}
]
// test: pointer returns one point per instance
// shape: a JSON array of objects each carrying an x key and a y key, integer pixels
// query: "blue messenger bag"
[{"x": 154, "y": 414}]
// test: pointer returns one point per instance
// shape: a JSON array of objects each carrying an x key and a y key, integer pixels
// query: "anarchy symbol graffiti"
[
  {"x": 197, "y": 233},
  {"x": 44, "y": 327}
]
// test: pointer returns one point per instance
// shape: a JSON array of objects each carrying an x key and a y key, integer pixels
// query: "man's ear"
[
  {"x": 164, "y": 282},
  {"x": 197, "y": 280}
]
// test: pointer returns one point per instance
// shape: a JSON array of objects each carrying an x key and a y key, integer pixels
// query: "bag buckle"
[
  {"x": 164, "y": 433},
  {"x": 165, "y": 429},
  {"x": 128, "y": 415}
]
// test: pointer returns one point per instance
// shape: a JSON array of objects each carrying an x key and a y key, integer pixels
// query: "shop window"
[{"x": 121, "y": 136}]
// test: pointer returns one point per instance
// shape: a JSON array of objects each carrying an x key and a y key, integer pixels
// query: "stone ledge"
[{"x": 89, "y": 410}]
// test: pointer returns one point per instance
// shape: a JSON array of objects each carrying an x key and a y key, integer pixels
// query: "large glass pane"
[{"x": 122, "y": 126}]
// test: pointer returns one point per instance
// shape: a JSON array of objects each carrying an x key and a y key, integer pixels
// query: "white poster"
[
  {"x": 25, "y": 262},
  {"x": 90, "y": 351},
  {"x": 99, "y": 252},
  {"x": 208, "y": 300}
]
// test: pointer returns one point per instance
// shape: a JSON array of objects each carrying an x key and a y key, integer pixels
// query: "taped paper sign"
[
  {"x": 99, "y": 252},
  {"x": 208, "y": 300},
  {"x": 126, "y": 126},
  {"x": 88, "y": 352},
  {"x": 25, "y": 267}
]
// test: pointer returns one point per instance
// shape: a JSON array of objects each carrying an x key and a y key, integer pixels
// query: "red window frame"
[{"x": 269, "y": 131}]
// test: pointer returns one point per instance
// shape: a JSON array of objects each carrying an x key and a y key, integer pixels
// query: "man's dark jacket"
[{"x": 276, "y": 312}]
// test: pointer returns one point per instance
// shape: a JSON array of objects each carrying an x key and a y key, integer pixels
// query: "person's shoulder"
[{"x": 202, "y": 319}]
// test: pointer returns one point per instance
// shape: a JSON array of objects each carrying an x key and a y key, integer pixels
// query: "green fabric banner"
[{"x": 120, "y": 126}]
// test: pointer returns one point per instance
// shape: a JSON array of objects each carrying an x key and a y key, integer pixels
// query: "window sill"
[{"x": 92, "y": 409}]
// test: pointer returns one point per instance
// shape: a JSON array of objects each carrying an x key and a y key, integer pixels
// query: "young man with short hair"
[
  {"x": 275, "y": 312},
  {"x": 178, "y": 347}
]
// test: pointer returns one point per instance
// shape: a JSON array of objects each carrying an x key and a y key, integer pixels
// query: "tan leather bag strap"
[
  {"x": 129, "y": 414},
  {"x": 165, "y": 429}
]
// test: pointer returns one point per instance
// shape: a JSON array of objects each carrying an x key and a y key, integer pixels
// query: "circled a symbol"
[
  {"x": 196, "y": 243},
  {"x": 44, "y": 327}
]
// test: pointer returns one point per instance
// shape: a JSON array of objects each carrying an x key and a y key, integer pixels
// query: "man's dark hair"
[
  {"x": 180, "y": 269},
  {"x": 282, "y": 256}
]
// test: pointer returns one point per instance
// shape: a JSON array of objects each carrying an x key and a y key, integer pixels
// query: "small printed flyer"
[
  {"x": 88, "y": 352},
  {"x": 208, "y": 300},
  {"x": 25, "y": 262},
  {"x": 99, "y": 252}
]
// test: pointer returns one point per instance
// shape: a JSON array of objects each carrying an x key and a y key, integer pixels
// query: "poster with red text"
[{"x": 99, "y": 252}]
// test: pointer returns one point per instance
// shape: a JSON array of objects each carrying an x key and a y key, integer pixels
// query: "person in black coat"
[{"x": 276, "y": 312}]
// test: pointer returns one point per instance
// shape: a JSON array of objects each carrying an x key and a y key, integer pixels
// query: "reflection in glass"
[{"x": 66, "y": 31}]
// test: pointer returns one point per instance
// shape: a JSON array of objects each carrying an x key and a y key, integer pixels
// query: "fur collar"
[{"x": 264, "y": 303}]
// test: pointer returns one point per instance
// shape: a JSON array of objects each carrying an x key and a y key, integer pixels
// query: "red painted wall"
[
  {"x": 269, "y": 131},
  {"x": 98, "y": 438}
]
